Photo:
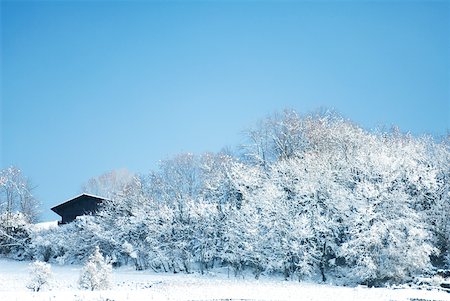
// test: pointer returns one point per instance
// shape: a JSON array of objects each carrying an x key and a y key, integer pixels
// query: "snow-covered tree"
[
  {"x": 388, "y": 237},
  {"x": 388, "y": 241},
  {"x": 40, "y": 275},
  {"x": 205, "y": 236},
  {"x": 16, "y": 194},
  {"x": 96, "y": 273},
  {"x": 434, "y": 199},
  {"x": 110, "y": 184},
  {"x": 18, "y": 209},
  {"x": 277, "y": 137},
  {"x": 14, "y": 235}
]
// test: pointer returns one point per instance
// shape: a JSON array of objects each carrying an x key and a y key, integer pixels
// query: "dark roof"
[{"x": 59, "y": 209}]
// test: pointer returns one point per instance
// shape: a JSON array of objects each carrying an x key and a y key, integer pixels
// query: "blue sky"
[{"x": 88, "y": 87}]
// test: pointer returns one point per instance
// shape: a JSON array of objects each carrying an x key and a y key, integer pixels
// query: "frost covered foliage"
[
  {"x": 16, "y": 194},
  {"x": 14, "y": 236},
  {"x": 308, "y": 197},
  {"x": 71, "y": 243},
  {"x": 109, "y": 184},
  {"x": 40, "y": 275},
  {"x": 96, "y": 273},
  {"x": 18, "y": 209}
]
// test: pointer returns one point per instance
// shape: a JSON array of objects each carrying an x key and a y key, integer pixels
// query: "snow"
[
  {"x": 129, "y": 284},
  {"x": 45, "y": 225}
]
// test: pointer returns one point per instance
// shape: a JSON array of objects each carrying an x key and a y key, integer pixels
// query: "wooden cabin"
[{"x": 82, "y": 204}]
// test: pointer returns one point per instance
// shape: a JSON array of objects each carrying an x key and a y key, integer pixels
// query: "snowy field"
[{"x": 133, "y": 285}]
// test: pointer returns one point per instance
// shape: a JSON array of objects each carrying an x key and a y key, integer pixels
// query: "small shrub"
[
  {"x": 96, "y": 273},
  {"x": 41, "y": 274}
]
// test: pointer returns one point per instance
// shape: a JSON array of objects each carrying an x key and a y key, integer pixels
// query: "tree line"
[{"x": 312, "y": 196}]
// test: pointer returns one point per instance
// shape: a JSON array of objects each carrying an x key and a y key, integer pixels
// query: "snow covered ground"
[{"x": 146, "y": 285}]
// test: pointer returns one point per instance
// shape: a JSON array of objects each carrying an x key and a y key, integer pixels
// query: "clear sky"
[{"x": 87, "y": 87}]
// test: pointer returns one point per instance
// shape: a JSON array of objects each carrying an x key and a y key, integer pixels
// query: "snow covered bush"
[
  {"x": 96, "y": 273},
  {"x": 40, "y": 275},
  {"x": 14, "y": 236}
]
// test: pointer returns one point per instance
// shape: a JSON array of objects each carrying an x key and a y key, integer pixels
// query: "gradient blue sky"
[{"x": 88, "y": 87}]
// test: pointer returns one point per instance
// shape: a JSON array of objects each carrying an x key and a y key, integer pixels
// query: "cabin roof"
[{"x": 59, "y": 208}]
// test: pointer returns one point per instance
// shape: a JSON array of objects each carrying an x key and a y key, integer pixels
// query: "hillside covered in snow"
[
  {"x": 305, "y": 198},
  {"x": 129, "y": 284}
]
